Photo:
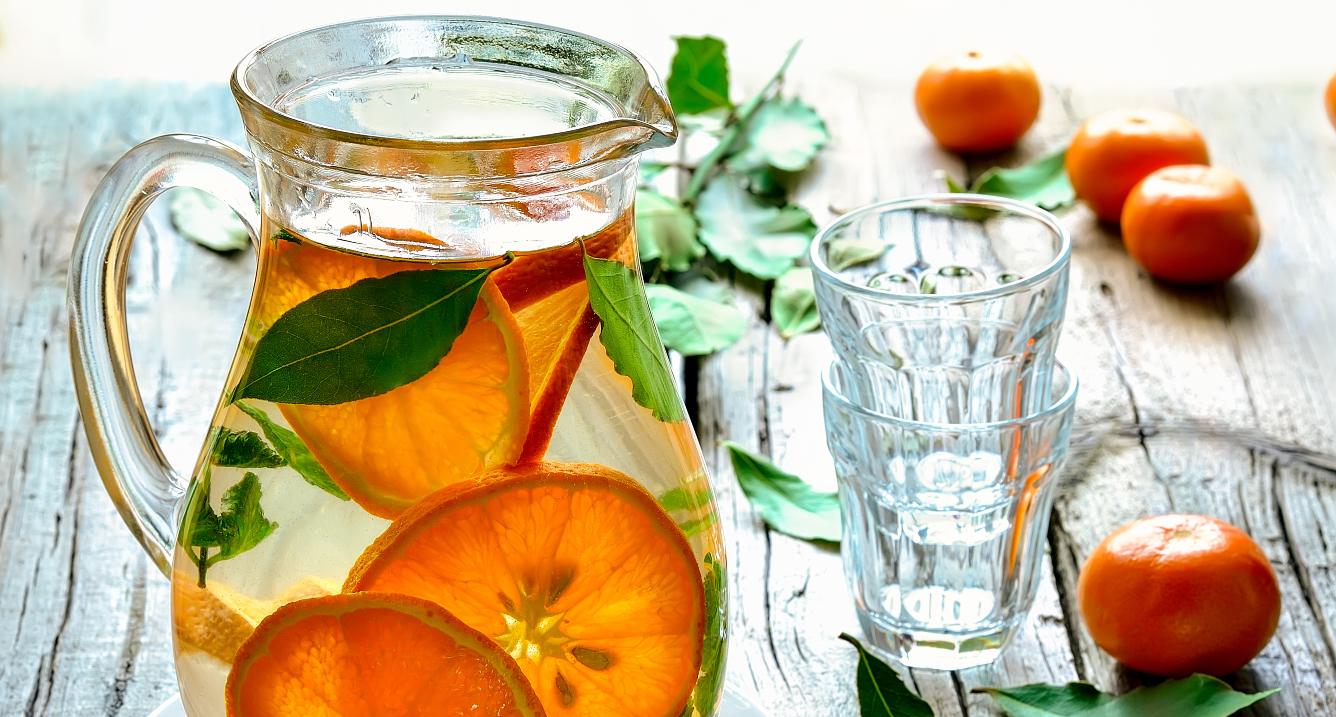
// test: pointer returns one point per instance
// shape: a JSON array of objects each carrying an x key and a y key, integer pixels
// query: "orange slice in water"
[
  {"x": 573, "y": 569},
  {"x": 468, "y": 414},
  {"x": 373, "y": 655}
]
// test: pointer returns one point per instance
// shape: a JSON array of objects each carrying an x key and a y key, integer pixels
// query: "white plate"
[{"x": 734, "y": 704}]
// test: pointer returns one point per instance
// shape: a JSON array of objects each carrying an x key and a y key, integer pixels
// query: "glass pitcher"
[{"x": 450, "y": 472}]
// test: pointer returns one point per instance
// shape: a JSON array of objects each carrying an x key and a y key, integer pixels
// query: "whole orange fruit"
[
  {"x": 1113, "y": 151},
  {"x": 1331, "y": 100},
  {"x": 1190, "y": 224},
  {"x": 1177, "y": 594},
  {"x": 977, "y": 102}
]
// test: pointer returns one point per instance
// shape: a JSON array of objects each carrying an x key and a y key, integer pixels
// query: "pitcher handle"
[{"x": 134, "y": 470}]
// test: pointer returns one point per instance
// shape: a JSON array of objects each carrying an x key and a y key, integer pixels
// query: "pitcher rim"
[{"x": 246, "y": 97}]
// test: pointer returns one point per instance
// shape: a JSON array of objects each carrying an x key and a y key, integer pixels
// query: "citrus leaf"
[
  {"x": 784, "y": 134},
  {"x": 207, "y": 221},
  {"x": 698, "y": 78},
  {"x": 666, "y": 231},
  {"x": 294, "y": 451},
  {"x": 785, "y": 501},
  {"x": 649, "y": 171},
  {"x": 849, "y": 252},
  {"x": 757, "y": 238},
  {"x": 881, "y": 692},
  {"x": 793, "y": 303},
  {"x": 1198, "y": 696},
  {"x": 691, "y": 325},
  {"x": 362, "y": 340},
  {"x": 243, "y": 449},
  {"x": 1043, "y": 183},
  {"x": 627, "y": 334}
]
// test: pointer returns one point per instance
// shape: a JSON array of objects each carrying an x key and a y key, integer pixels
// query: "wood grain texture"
[{"x": 85, "y": 615}]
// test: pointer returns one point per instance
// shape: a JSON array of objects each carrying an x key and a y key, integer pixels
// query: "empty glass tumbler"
[
  {"x": 945, "y": 307},
  {"x": 944, "y": 524}
]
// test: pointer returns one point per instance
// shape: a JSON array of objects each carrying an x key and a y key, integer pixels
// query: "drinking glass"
[
  {"x": 944, "y": 524},
  {"x": 945, "y": 307}
]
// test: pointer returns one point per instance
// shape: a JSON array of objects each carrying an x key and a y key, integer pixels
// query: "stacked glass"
[{"x": 946, "y": 413}]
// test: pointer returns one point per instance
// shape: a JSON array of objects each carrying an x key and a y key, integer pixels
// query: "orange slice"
[
  {"x": 217, "y": 620},
  {"x": 468, "y": 414},
  {"x": 573, "y": 569},
  {"x": 373, "y": 655}
]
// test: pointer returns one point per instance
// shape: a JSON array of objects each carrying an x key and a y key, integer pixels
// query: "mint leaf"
[
  {"x": 627, "y": 334},
  {"x": 698, "y": 78},
  {"x": 362, "y": 340},
  {"x": 666, "y": 231},
  {"x": 716, "y": 627},
  {"x": 793, "y": 303},
  {"x": 1043, "y": 183},
  {"x": 881, "y": 692},
  {"x": 759, "y": 239},
  {"x": 849, "y": 252},
  {"x": 1198, "y": 696},
  {"x": 243, "y": 449},
  {"x": 207, "y": 221},
  {"x": 784, "y": 134},
  {"x": 294, "y": 451},
  {"x": 692, "y": 325},
  {"x": 785, "y": 501},
  {"x": 242, "y": 525}
]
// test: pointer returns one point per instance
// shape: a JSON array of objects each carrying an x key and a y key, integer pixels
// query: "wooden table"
[{"x": 84, "y": 617}]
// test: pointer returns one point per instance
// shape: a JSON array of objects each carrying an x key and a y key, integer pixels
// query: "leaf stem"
[{"x": 742, "y": 119}]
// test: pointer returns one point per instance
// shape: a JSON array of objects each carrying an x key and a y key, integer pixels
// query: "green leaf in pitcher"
[
  {"x": 881, "y": 692},
  {"x": 239, "y": 527},
  {"x": 692, "y": 325},
  {"x": 712, "y": 653},
  {"x": 363, "y": 340},
  {"x": 291, "y": 448},
  {"x": 698, "y": 78},
  {"x": 243, "y": 449},
  {"x": 1198, "y": 696},
  {"x": 758, "y": 238},
  {"x": 629, "y": 337}
]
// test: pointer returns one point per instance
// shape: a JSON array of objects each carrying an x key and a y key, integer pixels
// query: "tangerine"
[
  {"x": 373, "y": 655},
  {"x": 1331, "y": 100},
  {"x": 976, "y": 101},
  {"x": 1113, "y": 151},
  {"x": 1190, "y": 224},
  {"x": 1174, "y": 595},
  {"x": 573, "y": 569}
]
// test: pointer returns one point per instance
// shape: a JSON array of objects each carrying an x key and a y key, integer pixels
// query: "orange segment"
[
  {"x": 217, "y": 620},
  {"x": 573, "y": 569},
  {"x": 556, "y": 333},
  {"x": 468, "y": 414},
  {"x": 373, "y": 654}
]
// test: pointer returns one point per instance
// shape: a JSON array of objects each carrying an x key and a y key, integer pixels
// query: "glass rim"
[
  {"x": 247, "y": 97},
  {"x": 828, "y": 275},
  {"x": 1057, "y": 406}
]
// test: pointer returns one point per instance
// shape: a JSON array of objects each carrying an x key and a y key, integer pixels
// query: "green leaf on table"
[
  {"x": 849, "y": 252},
  {"x": 362, "y": 340},
  {"x": 1198, "y": 696},
  {"x": 1043, "y": 183},
  {"x": 243, "y": 449},
  {"x": 627, "y": 334},
  {"x": 793, "y": 303},
  {"x": 757, "y": 238},
  {"x": 294, "y": 451},
  {"x": 881, "y": 692},
  {"x": 716, "y": 626},
  {"x": 691, "y": 325},
  {"x": 666, "y": 231},
  {"x": 784, "y": 134},
  {"x": 698, "y": 77},
  {"x": 207, "y": 221},
  {"x": 649, "y": 171},
  {"x": 785, "y": 501},
  {"x": 239, "y": 527}
]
